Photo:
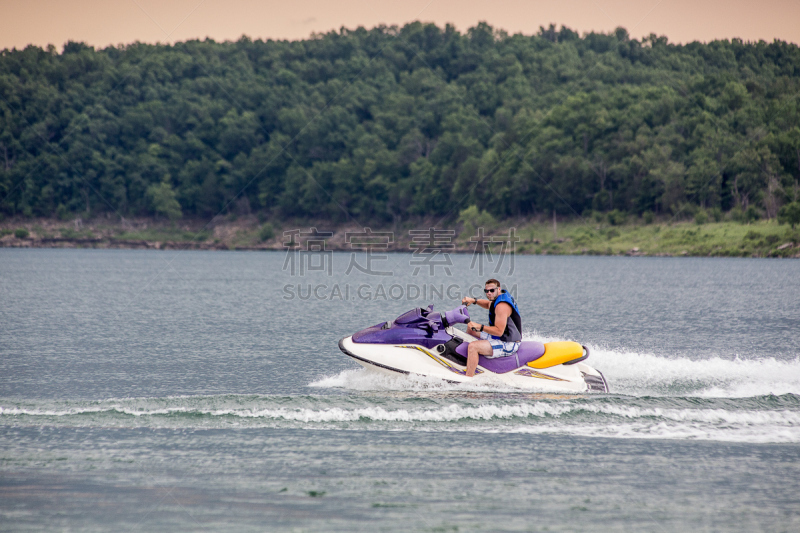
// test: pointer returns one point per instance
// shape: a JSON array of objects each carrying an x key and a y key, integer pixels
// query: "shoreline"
[{"x": 531, "y": 237}]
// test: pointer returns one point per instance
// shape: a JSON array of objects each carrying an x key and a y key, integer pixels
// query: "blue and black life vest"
[{"x": 513, "y": 332}]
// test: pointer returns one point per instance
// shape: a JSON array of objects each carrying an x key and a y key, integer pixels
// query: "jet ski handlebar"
[{"x": 459, "y": 315}]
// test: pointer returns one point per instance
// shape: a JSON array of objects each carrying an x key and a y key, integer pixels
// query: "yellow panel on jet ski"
[{"x": 556, "y": 353}]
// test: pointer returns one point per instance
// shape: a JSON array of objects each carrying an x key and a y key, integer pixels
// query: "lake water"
[{"x": 180, "y": 391}]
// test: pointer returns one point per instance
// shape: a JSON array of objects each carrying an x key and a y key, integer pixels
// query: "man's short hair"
[{"x": 492, "y": 281}]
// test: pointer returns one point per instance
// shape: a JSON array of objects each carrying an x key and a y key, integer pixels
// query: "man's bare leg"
[{"x": 474, "y": 349}]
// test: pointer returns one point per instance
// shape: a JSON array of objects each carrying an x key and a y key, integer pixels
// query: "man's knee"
[{"x": 479, "y": 347}]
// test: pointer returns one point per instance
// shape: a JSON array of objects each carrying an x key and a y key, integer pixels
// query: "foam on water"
[
  {"x": 598, "y": 416},
  {"x": 362, "y": 379},
  {"x": 446, "y": 413},
  {"x": 755, "y": 435},
  {"x": 647, "y": 374},
  {"x": 653, "y": 397}
]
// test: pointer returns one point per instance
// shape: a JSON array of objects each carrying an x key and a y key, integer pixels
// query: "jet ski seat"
[{"x": 528, "y": 351}]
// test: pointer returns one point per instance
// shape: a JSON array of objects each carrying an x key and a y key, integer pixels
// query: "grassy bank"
[
  {"x": 716, "y": 239},
  {"x": 719, "y": 239}
]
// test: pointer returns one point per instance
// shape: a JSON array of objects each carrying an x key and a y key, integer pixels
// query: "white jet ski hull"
[{"x": 418, "y": 360}]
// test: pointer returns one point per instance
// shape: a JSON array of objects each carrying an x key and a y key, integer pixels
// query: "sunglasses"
[{"x": 487, "y": 291}]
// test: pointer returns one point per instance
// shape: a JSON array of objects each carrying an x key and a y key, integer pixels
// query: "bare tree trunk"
[{"x": 771, "y": 201}]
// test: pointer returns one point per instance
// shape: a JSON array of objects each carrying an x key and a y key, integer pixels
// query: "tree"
[
  {"x": 473, "y": 218},
  {"x": 790, "y": 214},
  {"x": 163, "y": 202}
]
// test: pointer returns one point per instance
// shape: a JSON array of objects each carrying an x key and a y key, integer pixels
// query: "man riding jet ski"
[
  {"x": 426, "y": 343},
  {"x": 503, "y": 335}
]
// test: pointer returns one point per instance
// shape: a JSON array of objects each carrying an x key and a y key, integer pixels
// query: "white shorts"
[{"x": 499, "y": 348}]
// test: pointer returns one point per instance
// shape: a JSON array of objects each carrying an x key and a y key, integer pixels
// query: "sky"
[{"x": 101, "y": 23}]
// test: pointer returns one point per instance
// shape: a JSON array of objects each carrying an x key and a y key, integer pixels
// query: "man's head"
[{"x": 492, "y": 289}]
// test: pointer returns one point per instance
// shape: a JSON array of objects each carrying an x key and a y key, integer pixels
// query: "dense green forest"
[{"x": 393, "y": 123}]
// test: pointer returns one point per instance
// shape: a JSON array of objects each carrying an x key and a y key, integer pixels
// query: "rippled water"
[{"x": 181, "y": 391}]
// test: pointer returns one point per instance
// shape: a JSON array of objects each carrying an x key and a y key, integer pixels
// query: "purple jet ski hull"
[{"x": 423, "y": 327}]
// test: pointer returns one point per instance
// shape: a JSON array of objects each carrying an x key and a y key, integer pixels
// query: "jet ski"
[{"x": 426, "y": 343}]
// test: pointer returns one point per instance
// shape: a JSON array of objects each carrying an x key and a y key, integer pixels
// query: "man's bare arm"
[
  {"x": 502, "y": 312},
  {"x": 469, "y": 300}
]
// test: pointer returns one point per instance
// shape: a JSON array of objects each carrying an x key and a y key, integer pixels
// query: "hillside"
[{"x": 384, "y": 125}]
